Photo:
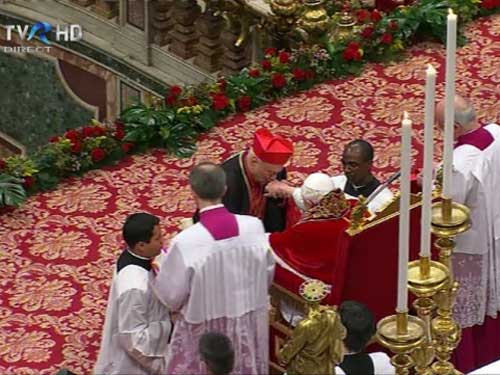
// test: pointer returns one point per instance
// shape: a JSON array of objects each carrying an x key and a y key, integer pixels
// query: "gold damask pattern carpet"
[{"x": 57, "y": 251}]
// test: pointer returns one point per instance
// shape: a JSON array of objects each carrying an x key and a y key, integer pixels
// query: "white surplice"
[
  {"x": 137, "y": 325},
  {"x": 381, "y": 365},
  {"x": 218, "y": 285},
  {"x": 476, "y": 266},
  {"x": 377, "y": 204}
]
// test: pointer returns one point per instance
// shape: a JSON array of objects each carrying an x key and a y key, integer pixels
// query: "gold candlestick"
[
  {"x": 448, "y": 220},
  {"x": 425, "y": 279},
  {"x": 401, "y": 333}
]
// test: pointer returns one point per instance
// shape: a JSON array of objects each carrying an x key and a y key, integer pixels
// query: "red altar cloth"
[{"x": 362, "y": 267}]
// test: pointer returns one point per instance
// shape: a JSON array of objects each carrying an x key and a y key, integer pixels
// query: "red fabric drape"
[{"x": 317, "y": 249}]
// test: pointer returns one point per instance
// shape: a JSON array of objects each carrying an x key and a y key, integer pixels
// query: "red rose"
[
  {"x": 88, "y": 131},
  {"x": 270, "y": 52},
  {"x": 191, "y": 101},
  {"x": 284, "y": 57},
  {"x": 386, "y": 38},
  {"x": 175, "y": 91},
  {"x": 266, "y": 65},
  {"x": 362, "y": 15},
  {"x": 222, "y": 84},
  {"x": 126, "y": 147},
  {"x": 72, "y": 134},
  {"x": 244, "y": 103},
  {"x": 309, "y": 74},
  {"x": 254, "y": 73},
  {"x": 367, "y": 32},
  {"x": 98, "y": 131},
  {"x": 375, "y": 16},
  {"x": 170, "y": 100},
  {"x": 97, "y": 154},
  {"x": 278, "y": 80},
  {"x": 76, "y": 147},
  {"x": 353, "y": 45},
  {"x": 54, "y": 139},
  {"x": 393, "y": 25},
  {"x": 3, "y": 164},
  {"x": 119, "y": 133},
  {"x": 489, "y": 4},
  {"x": 351, "y": 54},
  {"x": 299, "y": 74},
  {"x": 28, "y": 181},
  {"x": 219, "y": 101}
]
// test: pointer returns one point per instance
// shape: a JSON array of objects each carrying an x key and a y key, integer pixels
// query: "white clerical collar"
[
  {"x": 213, "y": 207},
  {"x": 137, "y": 256}
]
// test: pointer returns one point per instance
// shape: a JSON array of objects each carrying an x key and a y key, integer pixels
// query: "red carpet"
[{"x": 57, "y": 251}]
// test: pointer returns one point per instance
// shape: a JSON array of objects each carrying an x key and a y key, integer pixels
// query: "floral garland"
[{"x": 175, "y": 123}]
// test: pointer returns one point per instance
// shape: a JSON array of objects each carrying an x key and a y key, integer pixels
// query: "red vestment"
[{"x": 317, "y": 249}]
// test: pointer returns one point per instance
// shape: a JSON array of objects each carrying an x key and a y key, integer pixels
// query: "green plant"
[{"x": 12, "y": 192}]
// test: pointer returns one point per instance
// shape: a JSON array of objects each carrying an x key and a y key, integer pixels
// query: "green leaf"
[{"x": 12, "y": 192}]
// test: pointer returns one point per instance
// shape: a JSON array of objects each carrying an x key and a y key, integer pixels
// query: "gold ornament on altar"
[
  {"x": 316, "y": 344},
  {"x": 313, "y": 290},
  {"x": 343, "y": 28},
  {"x": 314, "y": 20}
]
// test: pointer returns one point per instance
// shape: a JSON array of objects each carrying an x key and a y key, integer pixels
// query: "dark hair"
[
  {"x": 359, "y": 323},
  {"x": 208, "y": 181},
  {"x": 217, "y": 352},
  {"x": 365, "y": 147},
  {"x": 139, "y": 228}
]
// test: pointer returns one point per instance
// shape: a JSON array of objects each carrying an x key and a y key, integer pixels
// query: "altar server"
[
  {"x": 137, "y": 326},
  {"x": 216, "y": 274}
]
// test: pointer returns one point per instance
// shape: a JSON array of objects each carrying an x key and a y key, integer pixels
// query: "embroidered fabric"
[{"x": 249, "y": 335}]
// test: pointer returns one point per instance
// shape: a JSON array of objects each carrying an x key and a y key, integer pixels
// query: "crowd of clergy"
[{"x": 201, "y": 305}]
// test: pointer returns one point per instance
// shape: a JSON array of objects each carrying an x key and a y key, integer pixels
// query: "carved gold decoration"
[
  {"x": 314, "y": 20},
  {"x": 343, "y": 28},
  {"x": 401, "y": 333},
  {"x": 425, "y": 279},
  {"x": 321, "y": 331},
  {"x": 358, "y": 215},
  {"x": 448, "y": 220}
]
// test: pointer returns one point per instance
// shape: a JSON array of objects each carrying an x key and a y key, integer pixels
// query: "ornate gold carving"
[{"x": 317, "y": 339}]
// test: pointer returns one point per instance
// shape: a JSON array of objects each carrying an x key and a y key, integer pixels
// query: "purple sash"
[
  {"x": 220, "y": 223},
  {"x": 479, "y": 138}
]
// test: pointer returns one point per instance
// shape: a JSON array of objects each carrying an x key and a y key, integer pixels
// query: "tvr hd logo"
[{"x": 67, "y": 33}]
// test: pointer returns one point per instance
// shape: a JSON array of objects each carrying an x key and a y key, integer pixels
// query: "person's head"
[
  {"x": 267, "y": 156},
  {"x": 465, "y": 116},
  {"x": 142, "y": 233},
  {"x": 208, "y": 182},
  {"x": 217, "y": 352},
  {"x": 357, "y": 160},
  {"x": 315, "y": 187},
  {"x": 359, "y": 323}
]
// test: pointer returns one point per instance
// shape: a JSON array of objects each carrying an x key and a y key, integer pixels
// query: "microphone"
[{"x": 381, "y": 187}]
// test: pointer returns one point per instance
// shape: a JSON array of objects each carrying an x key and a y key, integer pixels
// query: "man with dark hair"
[
  {"x": 250, "y": 171},
  {"x": 216, "y": 274},
  {"x": 137, "y": 326},
  {"x": 360, "y": 325},
  {"x": 217, "y": 352},
  {"x": 357, "y": 179}
]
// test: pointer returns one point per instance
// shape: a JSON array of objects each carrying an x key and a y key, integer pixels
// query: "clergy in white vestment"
[
  {"x": 360, "y": 326},
  {"x": 216, "y": 274},
  {"x": 476, "y": 180},
  {"x": 137, "y": 325},
  {"x": 357, "y": 160}
]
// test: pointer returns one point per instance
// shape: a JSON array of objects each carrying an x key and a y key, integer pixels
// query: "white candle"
[
  {"x": 430, "y": 89},
  {"x": 449, "y": 113},
  {"x": 404, "y": 215}
]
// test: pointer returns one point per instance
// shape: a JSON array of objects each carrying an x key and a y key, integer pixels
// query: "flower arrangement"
[{"x": 175, "y": 123}]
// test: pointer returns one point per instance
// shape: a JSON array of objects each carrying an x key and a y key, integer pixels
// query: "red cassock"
[{"x": 317, "y": 249}]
